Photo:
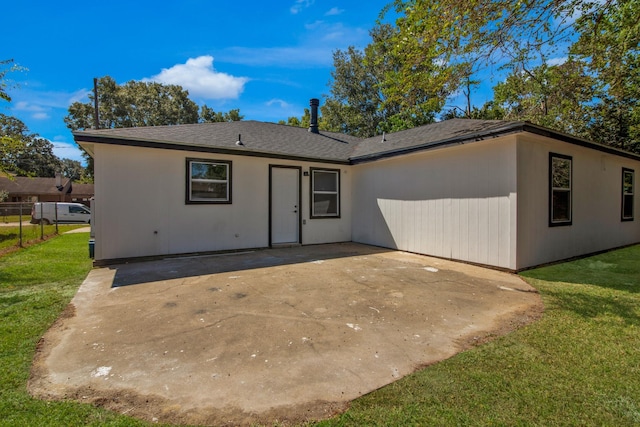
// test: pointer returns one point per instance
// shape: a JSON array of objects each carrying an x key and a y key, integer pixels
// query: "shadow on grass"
[
  {"x": 619, "y": 270},
  {"x": 605, "y": 307},
  {"x": 9, "y": 236},
  {"x": 603, "y": 287}
]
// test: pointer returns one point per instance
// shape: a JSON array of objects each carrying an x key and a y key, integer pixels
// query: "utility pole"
[{"x": 95, "y": 101}]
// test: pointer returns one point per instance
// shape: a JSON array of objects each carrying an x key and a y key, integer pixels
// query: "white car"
[{"x": 47, "y": 213}]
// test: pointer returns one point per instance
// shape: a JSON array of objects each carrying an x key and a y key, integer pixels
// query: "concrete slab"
[{"x": 275, "y": 335}]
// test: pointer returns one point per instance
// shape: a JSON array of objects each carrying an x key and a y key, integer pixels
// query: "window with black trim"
[
  {"x": 628, "y": 184},
  {"x": 560, "y": 185},
  {"x": 208, "y": 181},
  {"x": 325, "y": 193}
]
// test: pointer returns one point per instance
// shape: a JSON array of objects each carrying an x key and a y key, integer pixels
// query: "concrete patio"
[{"x": 284, "y": 335}]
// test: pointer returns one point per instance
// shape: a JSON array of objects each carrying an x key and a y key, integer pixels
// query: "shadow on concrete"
[{"x": 190, "y": 266}]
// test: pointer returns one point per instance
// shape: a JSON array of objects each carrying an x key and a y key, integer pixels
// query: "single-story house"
[
  {"x": 505, "y": 194},
  {"x": 22, "y": 189}
]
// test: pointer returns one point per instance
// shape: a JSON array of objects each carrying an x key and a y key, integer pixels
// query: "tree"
[
  {"x": 555, "y": 96},
  {"x": 303, "y": 121},
  {"x": 133, "y": 104},
  {"x": 208, "y": 115},
  {"x": 355, "y": 99},
  {"x": 72, "y": 169},
  {"x": 7, "y": 66},
  {"x": 38, "y": 158},
  {"x": 457, "y": 37},
  {"x": 136, "y": 104},
  {"x": 129, "y": 105},
  {"x": 489, "y": 111},
  {"x": 291, "y": 121},
  {"x": 363, "y": 100},
  {"x": 25, "y": 153},
  {"x": 9, "y": 146},
  {"x": 594, "y": 93},
  {"x": 12, "y": 142},
  {"x": 9, "y": 149},
  {"x": 609, "y": 44}
]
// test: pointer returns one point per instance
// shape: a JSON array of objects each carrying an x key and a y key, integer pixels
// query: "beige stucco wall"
[
  {"x": 596, "y": 224},
  {"x": 141, "y": 210},
  {"x": 457, "y": 202}
]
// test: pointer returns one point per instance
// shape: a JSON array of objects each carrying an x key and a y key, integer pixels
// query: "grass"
[
  {"x": 36, "y": 284},
  {"x": 31, "y": 234},
  {"x": 578, "y": 365},
  {"x": 14, "y": 218}
]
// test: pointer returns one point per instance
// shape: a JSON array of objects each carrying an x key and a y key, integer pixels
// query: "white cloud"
[
  {"x": 337, "y": 35},
  {"x": 334, "y": 11},
  {"x": 199, "y": 77},
  {"x": 557, "y": 61},
  {"x": 315, "y": 49},
  {"x": 78, "y": 96},
  {"x": 41, "y": 116},
  {"x": 35, "y": 111},
  {"x": 29, "y": 100},
  {"x": 65, "y": 150},
  {"x": 46, "y": 105},
  {"x": 290, "y": 57},
  {"x": 314, "y": 25},
  {"x": 278, "y": 109},
  {"x": 281, "y": 103},
  {"x": 299, "y": 5},
  {"x": 26, "y": 106}
]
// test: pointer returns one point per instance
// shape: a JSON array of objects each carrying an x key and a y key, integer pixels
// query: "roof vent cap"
[{"x": 313, "y": 123}]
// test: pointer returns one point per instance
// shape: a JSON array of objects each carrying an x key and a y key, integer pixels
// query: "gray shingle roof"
[
  {"x": 275, "y": 140},
  {"x": 257, "y": 138},
  {"x": 435, "y": 134}
]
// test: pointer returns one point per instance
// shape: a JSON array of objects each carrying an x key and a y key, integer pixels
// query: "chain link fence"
[
  {"x": 15, "y": 209},
  {"x": 16, "y": 227}
]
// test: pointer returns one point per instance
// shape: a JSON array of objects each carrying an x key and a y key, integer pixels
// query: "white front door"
[{"x": 285, "y": 205}]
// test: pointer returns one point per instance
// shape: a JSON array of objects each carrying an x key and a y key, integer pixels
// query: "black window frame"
[
  {"x": 188, "y": 197},
  {"x": 312, "y": 193},
  {"x": 556, "y": 190},
  {"x": 626, "y": 196}
]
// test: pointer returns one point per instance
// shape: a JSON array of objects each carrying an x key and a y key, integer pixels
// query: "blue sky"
[{"x": 265, "y": 58}]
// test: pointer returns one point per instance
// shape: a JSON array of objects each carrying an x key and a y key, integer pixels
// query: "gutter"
[
  {"x": 511, "y": 128},
  {"x": 83, "y": 138},
  {"x": 467, "y": 138}
]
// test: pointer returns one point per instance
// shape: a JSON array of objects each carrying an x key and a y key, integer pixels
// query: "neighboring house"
[
  {"x": 30, "y": 190},
  {"x": 505, "y": 194}
]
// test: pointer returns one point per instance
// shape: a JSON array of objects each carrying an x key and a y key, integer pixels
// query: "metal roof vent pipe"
[{"x": 313, "y": 123}]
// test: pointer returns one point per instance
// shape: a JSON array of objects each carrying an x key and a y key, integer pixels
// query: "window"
[
  {"x": 560, "y": 182},
  {"x": 325, "y": 193},
  {"x": 208, "y": 181},
  {"x": 627, "y": 194},
  {"x": 78, "y": 210}
]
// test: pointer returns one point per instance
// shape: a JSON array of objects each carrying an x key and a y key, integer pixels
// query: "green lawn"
[
  {"x": 14, "y": 218},
  {"x": 31, "y": 233},
  {"x": 35, "y": 285},
  {"x": 579, "y": 365}
]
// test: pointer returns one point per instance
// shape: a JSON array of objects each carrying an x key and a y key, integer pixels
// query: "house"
[
  {"x": 30, "y": 190},
  {"x": 510, "y": 195}
]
